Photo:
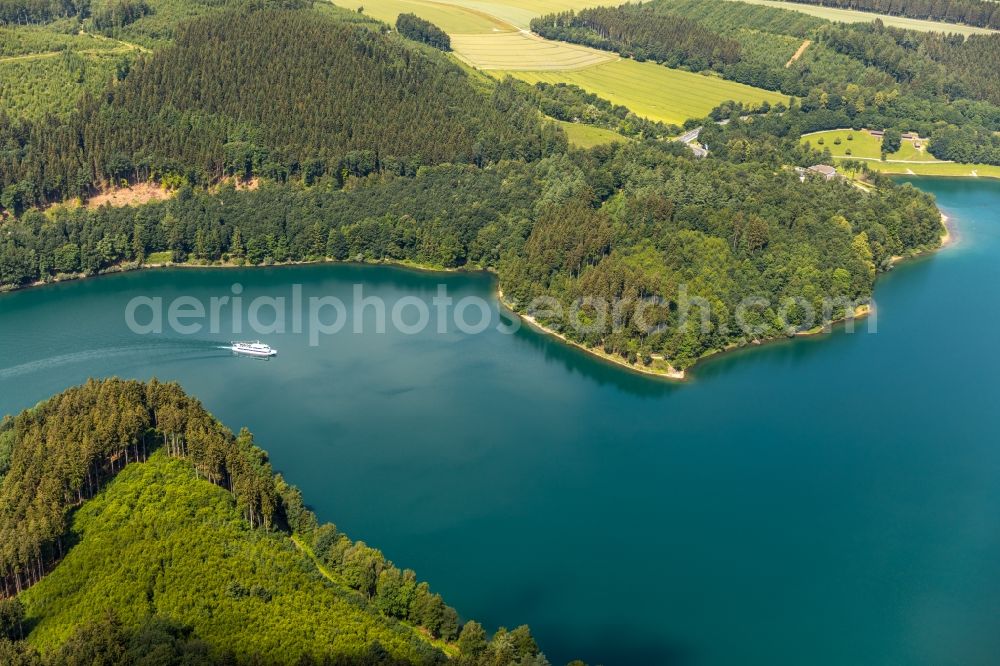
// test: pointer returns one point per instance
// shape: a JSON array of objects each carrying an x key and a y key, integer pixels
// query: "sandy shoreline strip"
[{"x": 669, "y": 373}]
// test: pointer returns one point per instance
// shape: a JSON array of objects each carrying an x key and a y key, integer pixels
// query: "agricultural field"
[
  {"x": 859, "y": 144},
  {"x": 453, "y": 19},
  {"x": 520, "y": 12},
  {"x": 525, "y": 52},
  {"x": 854, "y": 16},
  {"x": 588, "y": 136},
  {"x": 654, "y": 91}
]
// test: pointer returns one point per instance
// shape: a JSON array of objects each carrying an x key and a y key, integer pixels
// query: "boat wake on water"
[
  {"x": 90, "y": 355},
  {"x": 161, "y": 350}
]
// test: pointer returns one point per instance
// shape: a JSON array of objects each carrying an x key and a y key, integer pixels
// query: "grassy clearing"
[
  {"x": 520, "y": 12},
  {"x": 654, "y": 91},
  {"x": 524, "y": 52},
  {"x": 864, "y": 145},
  {"x": 951, "y": 169},
  {"x": 854, "y": 16},
  {"x": 451, "y": 18},
  {"x": 160, "y": 257},
  {"x": 588, "y": 136}
]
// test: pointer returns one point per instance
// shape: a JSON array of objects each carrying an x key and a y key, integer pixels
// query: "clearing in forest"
[
  {"x": 133, "y": 195},
  {"x": 654, "y": 91},
  {"x": 588, "y": 136},
  {"x": 859, "y": 144},
  {"x": 908, "y": 160},
  {"x": 524, "y": 51}
]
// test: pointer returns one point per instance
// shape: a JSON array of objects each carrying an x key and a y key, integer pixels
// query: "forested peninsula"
[
  {"x": 135, "y": 528},
  {"x": 363, "y": 145}
]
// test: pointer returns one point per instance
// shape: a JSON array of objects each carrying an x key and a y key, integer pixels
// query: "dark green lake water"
[{"x": 827, "y": 501}]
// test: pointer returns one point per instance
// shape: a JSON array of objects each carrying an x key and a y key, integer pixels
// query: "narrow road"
[{"x": 688, "y": 137}]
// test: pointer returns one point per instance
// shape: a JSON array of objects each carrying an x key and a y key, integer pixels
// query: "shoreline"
[
  {"x": 132, "y": 267},
  {"x": 669, "y": 372},
  {"x": 949, "y": 237},
  {"x": 860, "y": 312}
]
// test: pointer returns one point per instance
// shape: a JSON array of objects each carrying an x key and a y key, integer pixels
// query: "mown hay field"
[
  {"x": 451, "y": 18},
  {"x": 854, "y": 16},
  {"x": 654, "y": 91},
  {"x": 525, "y": 52}
]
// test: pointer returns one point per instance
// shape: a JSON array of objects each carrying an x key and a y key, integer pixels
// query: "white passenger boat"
[{"x": 253, "y": 349}]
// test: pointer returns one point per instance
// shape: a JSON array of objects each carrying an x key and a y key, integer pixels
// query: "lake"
[{"x": 824, "y": 501}]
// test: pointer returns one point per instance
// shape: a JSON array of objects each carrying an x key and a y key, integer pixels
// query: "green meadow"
[
  {"x": 588, "y": 136},
  {"x": 654, "y": 91},
  {"x": 859, "y": 144}
]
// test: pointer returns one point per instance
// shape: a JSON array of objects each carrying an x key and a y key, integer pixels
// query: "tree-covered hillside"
[
  {"x": 132, "y": 524},
  {"x": 273, "y": 93},
  {"x": 159, "y": 542}
]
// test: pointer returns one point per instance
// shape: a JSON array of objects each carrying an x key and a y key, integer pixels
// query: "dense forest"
[
  {"x": 641, "y": 32},
  {"x": 120, "y": 473},
  {"x": 982, "y": 13},
  {"x": 413, "y": 27},
  {"x": 851, "y": 75}
]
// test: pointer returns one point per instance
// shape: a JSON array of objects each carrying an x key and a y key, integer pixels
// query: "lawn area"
[
  {"x": 854, "y": 16},
  {"x": 588, "y": 136},
  {"x": 954, "y": 169},
  {"x": 864, "y": 145},
  {"x": 453, "y": 19},
  {"x": 160, "y": 257},
  {"x": 523, "y": 51},
  {"x": 654, "y": 91}
]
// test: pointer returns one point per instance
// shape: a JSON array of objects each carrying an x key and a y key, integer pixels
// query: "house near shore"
[{"x": 824, "y": 170}]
